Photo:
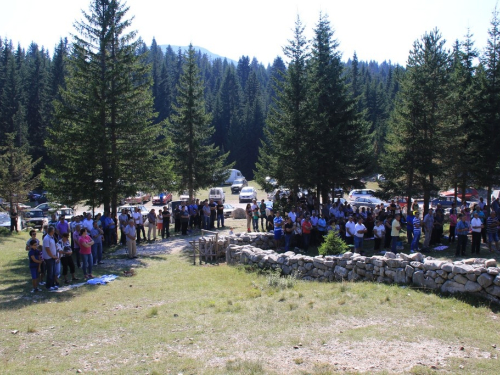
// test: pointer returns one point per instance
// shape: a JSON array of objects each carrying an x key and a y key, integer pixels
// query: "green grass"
[{"x": 173, "y": 318}]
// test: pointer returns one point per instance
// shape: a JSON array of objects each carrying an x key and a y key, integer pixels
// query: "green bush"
[{"x": 333, "y": 245}]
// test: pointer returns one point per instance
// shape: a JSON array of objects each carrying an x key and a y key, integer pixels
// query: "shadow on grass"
[{"x": 470, "y": 299}]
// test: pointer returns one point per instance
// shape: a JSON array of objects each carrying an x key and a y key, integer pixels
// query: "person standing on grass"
[
  {"x": 206, "y": 216},
  {"x": 49, "y": 255},
  {"x": 184, "y": 220},
  {"x": 159, "y": 222},
  {"x": 13, "y": 220},
  {"x": 270, "y": 221},
  {"x": 249, "y": 214},
  {"x": 321, "y": 229},
  {"x": 409, "y": 227},
  {"x": 476, "y": 225},
  {"x": 130, "y": 232},
  {"x": 453, "y": 225},
  {"x": 417, "y": 232},
  {"x": 35, "y": 258},
  {"x": 262, "y": 209},
  {"x": 359, "y": 233},
  {"x": 123, "y": 219},
  {"x": 96, "y": 233},
  {"x": 428, "y": 225},
  {"x": 139, "y": 225},
  {"x": 76, "y": 245},
  {"x": 278, "y": 229},
  {"x": 255, "y": 219},
  {"x": 379, "y": 233},
  {"x": 86, "y": 243},
  {"x": 306, "y": 232},
  {"x": 152, "y": 224},
  {"x": 492, "y": 230},
  {"x": 220, "y": 215},
  {"x": 395, "y": 229},
  {"x": 462, "y": 231},
  {"x": 350, "y": 228},
  {"x": 165, "y": 231},
  {"x": 62, "y": 227},
  {"x": 213, "y": 213},
  {"x": 64, "y": 249},
  {"x": 289, "y": 228}
]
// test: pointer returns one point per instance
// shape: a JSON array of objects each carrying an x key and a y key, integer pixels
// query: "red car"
[
  {"x": 469, "y": 193},
  {"x": 165, "y": 198}
]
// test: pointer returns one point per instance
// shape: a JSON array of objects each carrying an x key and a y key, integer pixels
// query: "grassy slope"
[{"x": 173, "y": 317}]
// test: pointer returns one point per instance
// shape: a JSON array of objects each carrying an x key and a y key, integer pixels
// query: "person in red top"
[
  {"x": 86, "y": 242},
  {"x": 306, "y": 231}
]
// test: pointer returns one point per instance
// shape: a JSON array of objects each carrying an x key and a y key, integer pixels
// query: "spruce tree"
[
  {"x": 283, "y": 154},
  {"x": 102, "y": 143},
  {"x": 417, "y": 128},
  {"x": 198, "y": 163},
  {"x": 339, "y": 144}
]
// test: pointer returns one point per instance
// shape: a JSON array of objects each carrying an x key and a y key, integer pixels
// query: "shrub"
[{"x": 333, "y": 245}]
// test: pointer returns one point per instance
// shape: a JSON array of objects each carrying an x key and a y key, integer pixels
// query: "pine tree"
[
  {"x": 414, "y": 153},
  {"x": 198, "y": 163},
  {"x": 102, "y": 142},
  {"x": 339, "y": 148},
  {"x": 283, "y": 153}
]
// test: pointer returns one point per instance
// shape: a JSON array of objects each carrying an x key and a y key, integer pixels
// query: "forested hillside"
[{"x": 238, "y": 97}]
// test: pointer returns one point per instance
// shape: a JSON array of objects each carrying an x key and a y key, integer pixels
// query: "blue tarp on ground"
[{"x": 104, "y": 279}]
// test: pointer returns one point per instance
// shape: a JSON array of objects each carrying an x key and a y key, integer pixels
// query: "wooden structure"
[{"x": 207, "y": 248}]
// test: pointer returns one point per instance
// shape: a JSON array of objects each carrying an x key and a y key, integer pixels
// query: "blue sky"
[{"x": 376, "y": 30}]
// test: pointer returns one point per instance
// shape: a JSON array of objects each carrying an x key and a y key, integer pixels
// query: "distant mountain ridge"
[{"x": 211, "y": 55}]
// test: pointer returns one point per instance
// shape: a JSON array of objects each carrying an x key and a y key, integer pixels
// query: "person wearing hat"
[{"x": 462, "y": 231}]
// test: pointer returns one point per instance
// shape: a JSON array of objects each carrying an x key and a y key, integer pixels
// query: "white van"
[
  {"x": 217, "y": 194},
  {"x": 234, "y": 174}
]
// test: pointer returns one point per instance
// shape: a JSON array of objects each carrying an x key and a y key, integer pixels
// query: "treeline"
[
  {"x": 444, "y": 130},
  {"x": 238, "y": 97}
]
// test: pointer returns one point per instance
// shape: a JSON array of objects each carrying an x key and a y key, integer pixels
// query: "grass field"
[{"x": 174, "y": 318}]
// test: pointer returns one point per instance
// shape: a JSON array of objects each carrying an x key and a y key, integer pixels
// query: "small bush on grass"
[
  {"x": 333, "y": 245},
  {"x": 274, "y": 280}
]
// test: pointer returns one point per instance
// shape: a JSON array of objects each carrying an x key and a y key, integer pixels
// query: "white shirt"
[
  {"x": 378, "y": 230},
  {"x": 358, "y": 227},
  {"x": 293, "y": 216},
  {"x": 124, "y": 218},
  {"x": 476, "y": 222},
  {"x": 137, "y": 218},
  {"x": 130, "y": 231},
  {"x": 350, "y": 227},
  {"x": 49, "y": 242},
  {"x": 88, "y": 224}
]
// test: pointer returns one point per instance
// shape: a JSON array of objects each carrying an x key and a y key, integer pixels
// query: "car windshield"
[
  {"x": 247, "y": 190},
  {"x": 34, "y": 214}
]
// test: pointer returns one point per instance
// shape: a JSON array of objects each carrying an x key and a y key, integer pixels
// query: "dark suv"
[{"x": 238, "y": 184}]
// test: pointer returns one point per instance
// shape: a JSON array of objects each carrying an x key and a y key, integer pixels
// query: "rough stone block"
[
  {"x": 471, "y": 276},
  {"x": 493, "y": 271},
  {"x": 472, "y": 287},
  {"x": 490, "y": 263},
  {"x": 448, "y": 267},
  {"x": 462, "y": 268},
  {"x": 430, "y": 283},
  {"x": 409, "y": 271},
  {"x": 452, "y": 287},
  {"x": 460, "y": 279},
  {"x": 341, "y": 271},
  {"x": 485, "y": 280},
  {"x": 493, "y": 290},
  {"x": 400, "y": 276},
  {"x": 418, "y": 278}
]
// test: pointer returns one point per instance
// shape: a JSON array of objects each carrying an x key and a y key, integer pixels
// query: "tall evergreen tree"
[
  {"x": 103, "y": 139},
  {"x": 338, "y": 137},
  {"x": 283, "y": 153},
  {"x": 414, "y": 153},
  {"x": 198, "y": 164}
]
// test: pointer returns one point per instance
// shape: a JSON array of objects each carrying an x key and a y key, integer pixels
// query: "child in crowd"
[
  {"x": 255, "y": 219},
  {"x": 35, "y": 258}
]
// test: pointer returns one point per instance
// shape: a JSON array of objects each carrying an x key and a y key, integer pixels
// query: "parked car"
[
  {"x": 238, "y": 184},
  {"x": 470, "y": 193},
  {"x": 48, "y": 207},
  {"x": 66, "y": 212},
  {"x": 233, "y": 174},
  {"x": 445, "y": 202},
  {"x": 217, "y": 194},
  {"x": 162, "y": 199},
  {"x": 248, "y": 193},
  {"x": 4, "y": 218},
  {"x": 138, "y": 198},
  {"x": 368, "y": 202},
  {"x": 228, "y": 209},
  {"x": 361, "y": 193},
  {"x": 338, "y": 192},
  {"x": 143, "y": 209},
  {"x": 34, "y": 218}
]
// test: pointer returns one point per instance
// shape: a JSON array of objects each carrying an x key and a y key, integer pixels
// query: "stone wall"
[{"x": 476, "y": 275}]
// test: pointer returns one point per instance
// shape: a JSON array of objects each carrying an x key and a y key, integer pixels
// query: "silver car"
[
  {"x": 368, "y": 202},
  {"x": 248, "y": 193}
]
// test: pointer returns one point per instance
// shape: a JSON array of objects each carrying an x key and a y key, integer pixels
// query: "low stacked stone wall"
[{"x": 476, "y": 275}]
